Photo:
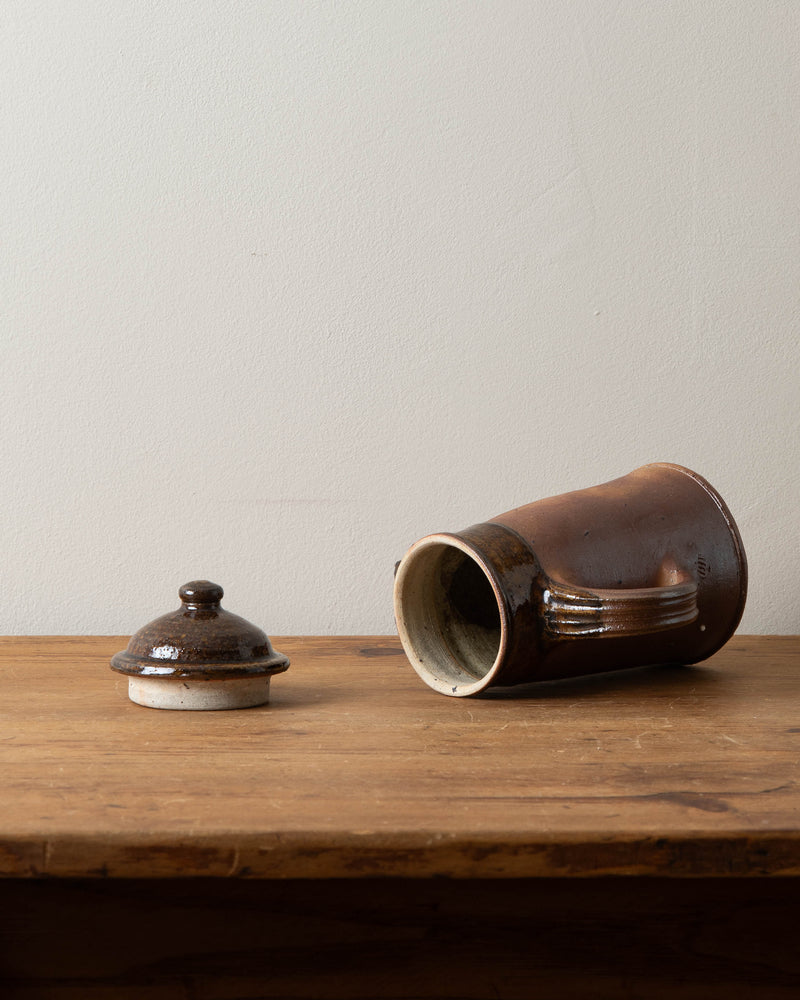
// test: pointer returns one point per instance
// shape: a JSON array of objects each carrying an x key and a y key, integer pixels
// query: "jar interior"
[{"x": 448, "y": 614}]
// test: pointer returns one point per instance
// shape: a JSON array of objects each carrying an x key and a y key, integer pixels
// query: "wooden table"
[{"x": 632, "y": 834}]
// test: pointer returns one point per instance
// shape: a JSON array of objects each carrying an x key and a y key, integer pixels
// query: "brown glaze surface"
[
  {"x": 659, "y": 530},
  {"x": 648, "y": 568},
  {"x": 200, "y": 640},
  {"x": 659, "y": 526}
]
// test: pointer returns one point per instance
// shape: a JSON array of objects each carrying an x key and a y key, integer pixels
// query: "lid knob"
[{"x": 201, "y": 593}]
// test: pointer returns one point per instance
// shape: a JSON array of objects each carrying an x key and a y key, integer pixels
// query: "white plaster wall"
[{"x": 287, "y": 285}]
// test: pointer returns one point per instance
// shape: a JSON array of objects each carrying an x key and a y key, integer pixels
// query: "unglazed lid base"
[{"x": 199, "y": 696}]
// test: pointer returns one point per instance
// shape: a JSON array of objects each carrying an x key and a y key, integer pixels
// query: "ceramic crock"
[{"x": 645, "y": 569}]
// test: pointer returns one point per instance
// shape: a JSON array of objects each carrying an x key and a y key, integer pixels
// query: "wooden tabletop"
[{"x": 356, "y": 768}]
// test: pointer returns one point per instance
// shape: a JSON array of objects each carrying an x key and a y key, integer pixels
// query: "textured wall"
[{"x": 287, "y": 285}]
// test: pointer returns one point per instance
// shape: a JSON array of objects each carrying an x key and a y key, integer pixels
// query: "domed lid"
[{"x": 200, "y": 640}]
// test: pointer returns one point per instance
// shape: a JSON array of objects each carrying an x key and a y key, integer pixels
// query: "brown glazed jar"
[{"x": 646, "y": 569}]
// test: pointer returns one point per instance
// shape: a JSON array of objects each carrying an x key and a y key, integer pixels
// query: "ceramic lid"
[{"x": 200, "y": 640}]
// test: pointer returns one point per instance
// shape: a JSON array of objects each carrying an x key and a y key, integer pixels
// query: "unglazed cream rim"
[{"x": 415, "y": 650}]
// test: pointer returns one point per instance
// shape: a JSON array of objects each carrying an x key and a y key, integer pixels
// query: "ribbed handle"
[{"x": 575, "y": 612}]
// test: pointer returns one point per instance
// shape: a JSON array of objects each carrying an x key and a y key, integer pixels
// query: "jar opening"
[{"x": 449, "y": 615}]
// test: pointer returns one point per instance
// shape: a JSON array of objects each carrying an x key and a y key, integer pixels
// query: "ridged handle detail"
[{"x": 574, "y": 612}]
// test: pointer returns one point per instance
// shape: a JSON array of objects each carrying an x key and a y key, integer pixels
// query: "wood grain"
[{"x": 357, "y": 769}]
